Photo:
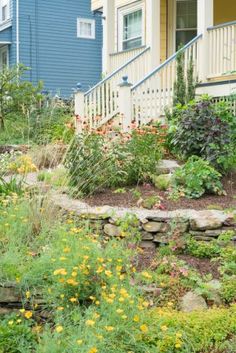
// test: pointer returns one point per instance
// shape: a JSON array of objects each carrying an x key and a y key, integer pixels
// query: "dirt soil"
[
  {"x": 127, "y": 199},
  {"x": 147, "y": 260}
]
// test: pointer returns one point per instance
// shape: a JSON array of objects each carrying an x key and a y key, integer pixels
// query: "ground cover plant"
[{"x": 78, "y": 291}]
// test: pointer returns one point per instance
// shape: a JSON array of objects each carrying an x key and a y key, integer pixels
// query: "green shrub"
[
  {"x": 196, "y": 178},
  {"x": 202, "y": 249},
  {"x": 161, "y": 182},
  {"x": 228, "y": 290},
  {"x": 206, "y": 130}
]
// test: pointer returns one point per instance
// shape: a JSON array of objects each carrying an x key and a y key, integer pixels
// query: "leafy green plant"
[
  {"x": 228, "y": 290},
  {"x": 10, "y": 186},
  {"x": 202, "y": 249},
  {"x": 16, "y": 335},
  {"x": 17, "y": 95},
  {"x": 161, "y": 182},
  {"x": 206, "y": 130},
  {"x": 196, "y": 178},
  {"x": 151, "y": 201}
]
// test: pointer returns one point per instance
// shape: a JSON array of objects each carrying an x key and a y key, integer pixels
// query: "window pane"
[
  {"x": 132, "y": 43},
  {"x": 4, "y": 59},
  {"x": 132, "y": 25},
  {"x": 186, "y": 14},
  {"x": 4, "y": 13},
  {"x": 85, "y": 29},
  {"x": 183, "y": 37}
]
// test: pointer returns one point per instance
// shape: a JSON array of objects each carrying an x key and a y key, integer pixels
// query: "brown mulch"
[
  {"x": 203, "y": 266},
  {"x": 147, "y": 260},
  {"x": 127, "y": 199}
]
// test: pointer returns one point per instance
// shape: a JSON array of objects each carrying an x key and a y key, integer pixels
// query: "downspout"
[{"x": 17, "y": 34}]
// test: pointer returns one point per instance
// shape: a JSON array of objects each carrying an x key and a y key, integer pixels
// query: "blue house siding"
[
  {"x": 6, "y": 35},
  {"x": 49, "y": 44}
]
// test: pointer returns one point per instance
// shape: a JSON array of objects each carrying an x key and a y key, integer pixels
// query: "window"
[
  {"x": 3, "y": 58},
  {"x": 86, "y": 28},
  {"x": 131, "y": 28},
  {"x": 5, "y": 12},
  {"x": 186, "y": 21}
]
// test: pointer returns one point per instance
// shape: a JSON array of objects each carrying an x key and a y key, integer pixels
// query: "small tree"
[
  {"x": 184, "y": 88},
  {"x": 17, "y": 95},
  {"x": 180, "y": 85},
  {"x": 191, "y": 83}
]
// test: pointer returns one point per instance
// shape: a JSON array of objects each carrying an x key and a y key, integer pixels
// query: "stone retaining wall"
[{"x": 157, "y": 229}]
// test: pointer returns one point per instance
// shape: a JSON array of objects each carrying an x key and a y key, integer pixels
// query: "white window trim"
[
  {"x": 86, "y": 20},
  {"x": 126, "y": 11},
  {"x": 4, "y": 50},
  {"x": 8, "y": 15}
]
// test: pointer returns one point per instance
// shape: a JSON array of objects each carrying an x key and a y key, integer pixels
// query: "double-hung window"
[
  {"x": 3, "y": 57},
  {"x": 86, "y": 28},
  {"x": 131, "y": 28},
  {"x": 4, "y": 10},
  {"x": 186, "y": 21}
]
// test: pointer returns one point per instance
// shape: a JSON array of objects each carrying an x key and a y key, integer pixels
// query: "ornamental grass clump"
[{"x": 102, "y": 160}]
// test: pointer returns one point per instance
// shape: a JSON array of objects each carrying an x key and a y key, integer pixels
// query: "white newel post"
[
  {"x": 125, "y": 103},
  {"x": 205, "y": 20},
  {"x": 153, "y": 31},
  {"x": 79, "y": 109},
  {"x": 108, "y": 33}
]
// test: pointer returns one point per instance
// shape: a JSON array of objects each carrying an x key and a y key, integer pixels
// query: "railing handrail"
[
  {"x": 221, "y": 25},
  {"x": 117, "y": 70},
  {"x": 128, "y": 50},
  {"x": 166, "y": 62}
]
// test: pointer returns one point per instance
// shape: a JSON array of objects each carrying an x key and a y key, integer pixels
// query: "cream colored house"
[{"x": 140, "y": 41}]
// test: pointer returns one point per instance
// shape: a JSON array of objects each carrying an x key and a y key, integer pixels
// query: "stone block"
[{"x": 156, "y": 227}]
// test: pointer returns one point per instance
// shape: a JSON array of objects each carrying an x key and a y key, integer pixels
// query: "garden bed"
[{"x": 126, "y": 198}]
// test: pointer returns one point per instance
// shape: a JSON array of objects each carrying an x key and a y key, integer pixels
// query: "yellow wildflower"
[
  {"x": 28, "y": 314},
  {"x": 59, "y": 329},
  {"x": 164, "y": 328},
  {"x": 79, "y": 342},
  {"x": 73, "y": 300},
  {"x": 90, "y": 323},
  {"x": 93, "y": 350},
  {"x": 178, "y": 345},
  {"x": 119, "y": 311},
  {"x": 108, "y": 273},
  {"x": 144, "y": 328},
  {"x": 109, "y": 328},
  {"x": 60, "y": 271}
]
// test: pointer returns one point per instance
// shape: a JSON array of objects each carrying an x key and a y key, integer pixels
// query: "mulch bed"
[
  {"x": 147, "y": 259},
  {"x": 127, "y": 199},
  {"x": 203, "y": 266}
]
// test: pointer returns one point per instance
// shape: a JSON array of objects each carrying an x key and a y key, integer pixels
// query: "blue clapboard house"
[{"x": 60, "y": 40}]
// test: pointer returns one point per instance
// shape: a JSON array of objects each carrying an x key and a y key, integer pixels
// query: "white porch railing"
[
  {"x": 101, "y": 101},
  {"x": 154, "y": 93},
  {"x": 222, "y": 49},
  {"x": 121, "y": 58}
]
